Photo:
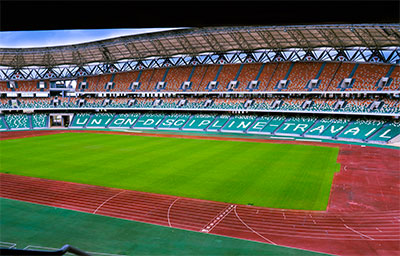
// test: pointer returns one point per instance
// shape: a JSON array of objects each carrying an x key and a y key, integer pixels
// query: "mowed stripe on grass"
[{"x": 270, "y": 175}]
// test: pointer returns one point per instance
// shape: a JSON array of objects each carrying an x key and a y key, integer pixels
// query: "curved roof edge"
[{"x": 194, "y": 41}]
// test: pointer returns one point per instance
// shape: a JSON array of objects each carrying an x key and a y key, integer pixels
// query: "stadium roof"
[{"x": 199, "y": 40}]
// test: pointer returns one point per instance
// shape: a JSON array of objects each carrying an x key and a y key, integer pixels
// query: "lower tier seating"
[{"x": 342, "y": 128}]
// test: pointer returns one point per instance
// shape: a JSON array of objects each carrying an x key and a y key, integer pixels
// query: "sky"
[{"x": 29, "y": 39}]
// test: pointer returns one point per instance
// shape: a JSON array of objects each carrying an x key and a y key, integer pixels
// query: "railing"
[{"x": 65, "y": 249}]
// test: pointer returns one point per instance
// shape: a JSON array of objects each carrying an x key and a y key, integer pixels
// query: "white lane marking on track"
[
  {"x": 361, "y": 234},
  {"x": 309, "y": 140},
  {"x": 217, "y": 219},
  {"x": 107, "y": 201},
  {"x": 169, "y": 209},
  {"x": 282, "y": 138},
  {"x": 266, "y": 239}
]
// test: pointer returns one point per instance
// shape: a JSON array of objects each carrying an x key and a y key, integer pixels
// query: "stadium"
[{"x": 260, "y": 140}]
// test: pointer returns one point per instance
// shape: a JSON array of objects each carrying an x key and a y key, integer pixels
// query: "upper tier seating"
[
  {"x": 327, "y": 75},
  {"x": 249, "y": 73},
  {"x": 24, "y": 86},
  {"x": 279, "y": 74},
  {"x": 266, "y": 76},
  {"x": 301, "y": 74},
  {"x": 395, "y": 84},
  {"x": 227, "y": 74},
  {"x": 176, "y": 76},
  {"x": 156, "y": 77},
  {"x": 197, "y": 77},
  {"x": 367, "y": 76},
  {"x": 123, "y": 81},
  {"x": 343, "y": 72},
  {"x": 210, "y": 74}
]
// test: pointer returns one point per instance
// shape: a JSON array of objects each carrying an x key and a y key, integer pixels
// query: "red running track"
[{"x": 363, "y": 215}]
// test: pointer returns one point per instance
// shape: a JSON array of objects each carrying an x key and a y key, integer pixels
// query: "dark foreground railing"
[{"x": 66, "y": 248}]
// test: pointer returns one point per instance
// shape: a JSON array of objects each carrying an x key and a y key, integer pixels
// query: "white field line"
[
  {"x": 266, "y": 239},
  {"x": 361, "y": 234},
  {"x": 107, "y": 201},
  {"x": 169, "y": 209}
]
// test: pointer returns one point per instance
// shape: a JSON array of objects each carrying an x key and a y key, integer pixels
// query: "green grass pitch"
[
  {"x": 54, "y": 227},
  {"x": 270, "y": 175}
]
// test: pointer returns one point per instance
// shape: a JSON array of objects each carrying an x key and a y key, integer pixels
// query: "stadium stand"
[
  {"x": 124, "y": 120},
  {"x": 211, "y": 74},
  {"x": 296, "y": 125},
  {"x": 80, "y": 120},
  {"x": 259, "y": 124},
  {"x": 367, "y": 76},
  {"x": 343, "y": 72},
  {"x": 123, "y": 81},
  {"x": 389, "y": 131},
  {"x": 268, "y": 71},
  {"x": 361, "y": 129},
  {"x": 281, "y": 73},
  {"x": 248, "y": 73},
  {"x": 328, "y": 74},
  {"x": 91, "y": 83},
  {"x": 4, "y": 86},
  {"x": 218, "y": 123},
  {"x": 99, "y": 120},
  {"x": 157, "y": 76},
  {"x": 395, "y": 84},
  {"x": 176, "y": 76},
  {"x": 39, "y": 121},
  {"x": 273, "y": 95},
  {"x": 198, "y": 76},
  {"x": 3, "y": 126},
  {"x": 238, "y": 123},
  {"x": 17, "y": 121},
  {"x": 335, "y": 127},
  {"x": 301, "y": 74},
  {"x": 27, "y": 86},
  {"x": 173, "y": 121},
  {"x": 228, "y": 74},
  {"x": 144, "y": 79},
  {"x": 148, "y": 121},
  {"x": 198, "y": 122}
]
